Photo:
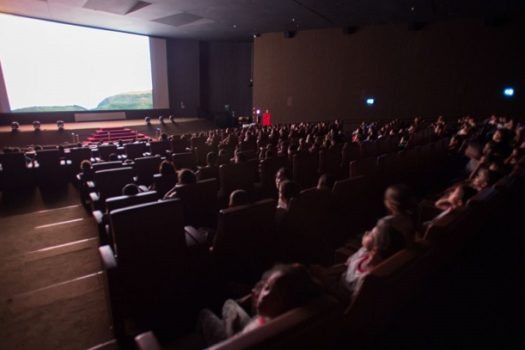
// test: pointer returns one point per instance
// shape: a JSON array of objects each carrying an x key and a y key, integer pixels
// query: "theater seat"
[
  {"x": 16, "y": 173},
  {"x": 244, "y": 244},
  {"x": 305, "y": 167},
  {"x": 109, "y": 183},
  {"x": 199, "y": 202},
  {"x": 237, "y": 176},
  {"x": 135, "y": 149},
  {"x": 304, "y": 233},
  {"x": 51, "y": 170},
  {"x": 163, "y": 183},
  {"x": 145, "y": 167},
  {"x": 267, "y": 170},
  {"x": 113, "y": 203},
  {"x": 105, "y": 150},
  {"x": 147, "y": 277},
  {"x": 184, "y": 160},
  {"x": 159, "y": 147},
  {"x": 313, "y": 326},
  {"x": 388, "y": 288}
]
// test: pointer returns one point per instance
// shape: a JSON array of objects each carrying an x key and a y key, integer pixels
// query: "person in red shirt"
[{"x": 267, "y": 118}]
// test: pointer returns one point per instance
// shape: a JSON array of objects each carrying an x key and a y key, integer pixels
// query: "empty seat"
[
  {"x": 145, "y": 167},
  {"x": 159, "y": 147},
  {"x": 113, "y": 203},
  {"x": 15, "y": 172},
  {"x": 184, "y": 160},
  {"x": 50, "y": 170},
  {"x": 109, "y": 183},
  {"x": 107, "y": 165},
  {"x": 135, "y": 149},
  {"x": 146, "y": 276},
  {"x": 208, "y": 172},
  {"x": 104, "y": 151},
  {"x": 330, "y": 163},
  {"x": 77, "y": 155}
]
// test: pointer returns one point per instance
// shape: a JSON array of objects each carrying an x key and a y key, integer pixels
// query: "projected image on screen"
[{"x": 49, "y": 66}]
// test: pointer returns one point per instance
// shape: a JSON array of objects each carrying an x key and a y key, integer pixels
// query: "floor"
[{"x": 51, "y": 294}]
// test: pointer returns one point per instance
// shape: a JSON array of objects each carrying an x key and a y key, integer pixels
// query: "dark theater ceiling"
[{"x": 241, "y": 19}]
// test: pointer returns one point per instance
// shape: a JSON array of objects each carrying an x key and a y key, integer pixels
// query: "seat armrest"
[
  {"x": 98, "y": 216},
  {"x": 198, "y": 236},
  {"x": 147, "y": 341},
  {"x": 108, "y": 259},
  {"x": 94, "y": 197},
  {"x": 90, "y": 184}
]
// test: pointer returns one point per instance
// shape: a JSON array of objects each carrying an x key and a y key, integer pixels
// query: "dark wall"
[
  {"x": 226, "y": 70},
  {"x": 205, "y": 76},
  {"x": 450, "y": 68},
  {"x": 184, "y": 76}
]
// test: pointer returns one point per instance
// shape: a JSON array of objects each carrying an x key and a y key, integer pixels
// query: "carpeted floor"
[{"x": 51, "y": 287}]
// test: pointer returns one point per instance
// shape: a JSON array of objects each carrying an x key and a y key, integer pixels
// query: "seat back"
[
  {"x": 312, "y": 326},
  {"x": 109, "y": 183},
  {"x": 268, "y": 169},
  {"x": 107, "y": 165},
  {"x": 159, "y": 147},
  {"x": 15, "y": 173},
  {"x": 304, "y": 233},
  {"x": 135, "y": 149},
  {"x": 105, "y": 150},
  {"x": 199, "y": 202},
  {"x": 305, "y": 169},
  {"x": 330, "y": 163},
  {"x": 145, "y": 167},
  {"x": 184, "y": 160},
  {"x": 208, "y": 172},
  {"x": 383, "y": 293},
  {"x": 351, "y": 205},
  {"x": 77, "y": 155},
  {"x": 237, "y": 176},
  {"x": 118, "y": 202},
  {"x": 163, "y": 183},
  {"x": 48, "y": 159},
  {"x": 151, "y": 254},
  {"x": 244, "y": 243}
]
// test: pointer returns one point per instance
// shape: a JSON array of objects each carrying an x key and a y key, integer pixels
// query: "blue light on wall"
[
  {"x": 370, "y": 101},
  {"x": 508, "y": 92}
]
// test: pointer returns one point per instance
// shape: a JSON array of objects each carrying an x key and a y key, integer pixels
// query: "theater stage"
[{"x": 49, "y": 134}]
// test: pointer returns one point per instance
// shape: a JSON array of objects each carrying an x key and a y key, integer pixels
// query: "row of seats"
[{"x": 393, "y": 284}]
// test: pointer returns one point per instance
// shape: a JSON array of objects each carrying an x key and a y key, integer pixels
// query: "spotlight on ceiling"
[
  {"x": 370, "y": 101},
  {"x": 36, "y": 125},
  {"x": 508, "y": 92}
]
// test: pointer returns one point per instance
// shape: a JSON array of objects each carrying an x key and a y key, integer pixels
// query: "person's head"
[
  {"x": 164, "y": 136},
  {"x": 85, "y": 165},
  {"x": 287, "y": 190},
  {"x": 211, "y": 159},
  {"x": 460, "y": 195},
  {"x": 166, "y": 168},
  {"x": 484, "y": 178},
  {"x": 187, "y": 177},
  {"x": 239, "y": 157},
  {"x": 113, "y": 157},
  {"x": 497, "y": 136},
  {"x": 281, "y": 175},
  {"x": 399, "y": 200},
  {"x": 383, "y": 240},
  {"x": 326, "y": 181},
  {"x": 284, "y": 288},
  {"x": 130, "y": 190},
  {"x": 238, "y": 197}
]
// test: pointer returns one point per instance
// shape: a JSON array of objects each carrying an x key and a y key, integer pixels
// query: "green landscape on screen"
[{"x": 127, "y": 100}]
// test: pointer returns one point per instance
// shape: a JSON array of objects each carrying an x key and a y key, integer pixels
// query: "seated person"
[
  {"x": 86, "y": 171},
  {"x": 281, "y": 175},
  {"x": 484, "y": 178},
  {"x": 287, "y": 190},
  {"x": 186, "y": 177},
  {"x": 130, "y": 190},
  {"x": 455, "y": 199},
  {"x": 211, "y": 170},
  {"x": 326, "y": 181},
  {"x": 345, "y": 280},
  {"x": 166, "y": 168},
  {"x": 281, "y": 289},
  {"x": 238, "y": 198},
  {"x": 401, "y": 206}
]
